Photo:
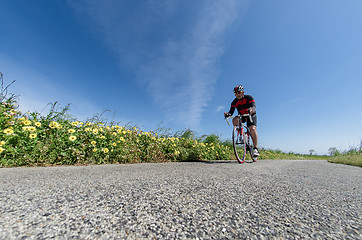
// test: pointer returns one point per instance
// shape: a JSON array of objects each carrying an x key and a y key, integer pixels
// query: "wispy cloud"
[
  {"x": 220, "y": 108},
  {"x": 289, "y": 102},
  {"x": 173, "y": 46}
]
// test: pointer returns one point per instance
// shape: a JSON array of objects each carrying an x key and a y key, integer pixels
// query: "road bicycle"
[{"x": 242, "y": 142}]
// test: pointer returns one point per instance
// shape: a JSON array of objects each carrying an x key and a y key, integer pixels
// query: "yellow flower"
[
  {"x": 71, "y": 131},
  {"x": 29, "y": 128},
  {"x": 105, "y": 150},
  {"x": 32, "y": 135},
  {"x": 122, "y": 139},
  {"x": 8, "y": 131},
  {"x": 93, "y": 142},
  {"x": 94, "y": 149},
  {"x": 1, "y": 149},
  {"x": 2, "y": 143},
  {"x": 102, "y": 137},
  {"x": 38, "y": 124},
  {"x": 114, "y": 144},
  {"x": 26, "y": 122},
  {"x": 53, "y": 124},
  {"x": 75, "y": 123},
  {"x": 72, "y": 138},
  {"x": 95, "y": 131},
  {"x": 87, "y": 129}
]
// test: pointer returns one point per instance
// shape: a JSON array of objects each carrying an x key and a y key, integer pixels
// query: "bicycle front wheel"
[{"x": 239, "y": 145}]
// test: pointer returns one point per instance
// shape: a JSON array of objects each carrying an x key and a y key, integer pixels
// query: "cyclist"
[{"x": 245, "y": 104}]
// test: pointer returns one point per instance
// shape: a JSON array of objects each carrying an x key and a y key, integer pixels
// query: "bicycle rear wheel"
[
  {"x": 239, "y": 145},
  {"x": 250, "y": 148}
]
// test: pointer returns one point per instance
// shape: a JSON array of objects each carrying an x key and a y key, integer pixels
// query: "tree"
[
  {"x": 311, "y": 152},
  {"x": 333, "y": 151}
]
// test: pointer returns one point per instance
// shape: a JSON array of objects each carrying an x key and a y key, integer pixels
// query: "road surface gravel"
[{"x": 289, "y": 199}]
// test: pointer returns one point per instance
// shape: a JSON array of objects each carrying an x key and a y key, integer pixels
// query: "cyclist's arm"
[
  {"x": 232, "y": 110},
  {"x": 252, "y": 105}
]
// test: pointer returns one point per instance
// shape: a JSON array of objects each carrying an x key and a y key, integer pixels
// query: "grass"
[
  {"x": 30, "y": 139},
  {"x": 352, "y": 157}
]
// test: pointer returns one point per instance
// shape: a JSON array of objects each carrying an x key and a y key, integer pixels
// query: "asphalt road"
[{"x": 287, "y": 199}]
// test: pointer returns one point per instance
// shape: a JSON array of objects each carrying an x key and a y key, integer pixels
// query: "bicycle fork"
[{"x": 240, "y": 135}]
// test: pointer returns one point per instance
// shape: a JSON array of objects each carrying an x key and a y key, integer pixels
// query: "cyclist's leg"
[
  {"x": 236, "y": 121},
  {"x": 253, "y": 132},
  {"x": 254, "y": 135}
]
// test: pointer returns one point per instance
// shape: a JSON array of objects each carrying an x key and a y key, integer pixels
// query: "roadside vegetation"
[
  {"x": 350, "y": 157},
  {"x": 31, "y": 139}
]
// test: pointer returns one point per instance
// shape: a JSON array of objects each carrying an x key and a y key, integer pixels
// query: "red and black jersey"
[{"x": 242, "y": 105}]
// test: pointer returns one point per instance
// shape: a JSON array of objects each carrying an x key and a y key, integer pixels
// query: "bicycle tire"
[{"x": 239, "y": 146}]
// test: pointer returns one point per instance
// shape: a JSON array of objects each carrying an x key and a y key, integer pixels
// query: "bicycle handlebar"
[
  {"x": 227, "y": 119},
  {"x": 239, "y": 115}
]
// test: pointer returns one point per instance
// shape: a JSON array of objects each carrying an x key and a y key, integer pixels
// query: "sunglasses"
[{"x": 238, "y": 92}]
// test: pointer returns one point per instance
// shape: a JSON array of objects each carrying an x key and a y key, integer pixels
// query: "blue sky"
[{"x": 175, "y": 63}]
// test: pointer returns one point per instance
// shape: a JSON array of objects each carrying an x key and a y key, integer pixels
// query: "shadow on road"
[{"x": 220, "y": 161}]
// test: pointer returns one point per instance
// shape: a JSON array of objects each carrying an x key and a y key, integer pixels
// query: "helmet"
[{"x": 238, "y": 88}]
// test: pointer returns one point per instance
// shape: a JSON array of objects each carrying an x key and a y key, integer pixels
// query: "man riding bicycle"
[{"x": 245, "y": 104}]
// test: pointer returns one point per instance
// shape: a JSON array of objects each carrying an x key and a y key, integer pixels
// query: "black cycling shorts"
[{"x": 247, "y": 120}]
